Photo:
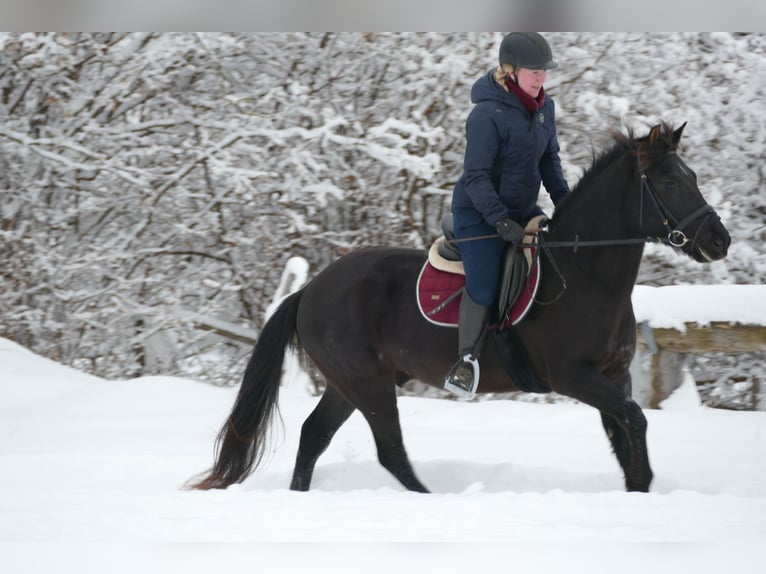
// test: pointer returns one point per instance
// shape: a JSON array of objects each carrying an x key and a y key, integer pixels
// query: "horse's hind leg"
[
  {"x": 377, "y": 402},
  {"x": 317, "y": 432},
  {"x": 379, "y": 408}
]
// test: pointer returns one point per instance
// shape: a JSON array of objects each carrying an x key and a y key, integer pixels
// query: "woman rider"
[{"x": 511, "y": 147}]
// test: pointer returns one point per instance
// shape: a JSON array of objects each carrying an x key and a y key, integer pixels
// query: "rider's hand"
[{"x": 510, "y": 231}]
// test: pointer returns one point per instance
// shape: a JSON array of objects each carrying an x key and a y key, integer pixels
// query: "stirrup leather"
[{"x": 460, "y": 387}]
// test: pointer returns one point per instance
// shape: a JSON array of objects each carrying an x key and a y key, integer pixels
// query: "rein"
[
  {"x": 572, "y": 243},
  {"x": 676, "y": 237}
]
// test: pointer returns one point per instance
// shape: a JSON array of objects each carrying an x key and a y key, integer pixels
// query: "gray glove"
[{"x": 510, "y": 231}]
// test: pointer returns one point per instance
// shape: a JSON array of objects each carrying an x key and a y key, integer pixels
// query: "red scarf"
[{"x": 532, "y": 104}]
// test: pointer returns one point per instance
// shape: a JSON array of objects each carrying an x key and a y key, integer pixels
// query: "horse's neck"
[{"x": 607, "y": 211}]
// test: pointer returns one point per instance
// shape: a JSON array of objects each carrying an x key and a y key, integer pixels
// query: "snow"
[
  {"x": 672, "y": 306},
  {"x": 685, "y": 397},
  {"x": 91, "y": 471},
  {"x": 532, "y": 487}
]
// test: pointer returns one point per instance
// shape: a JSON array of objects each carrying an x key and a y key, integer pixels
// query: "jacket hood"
[{"x": 486, "y": 88}]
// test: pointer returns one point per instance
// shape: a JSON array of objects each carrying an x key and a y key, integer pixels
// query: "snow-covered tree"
[{"x": 145, "y": 176}]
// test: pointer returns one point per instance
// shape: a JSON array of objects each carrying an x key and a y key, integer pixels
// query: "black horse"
[{"x": 358, "y": 321}]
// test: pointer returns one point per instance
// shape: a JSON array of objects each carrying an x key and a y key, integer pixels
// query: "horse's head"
[{"x": 672, "y": 204}]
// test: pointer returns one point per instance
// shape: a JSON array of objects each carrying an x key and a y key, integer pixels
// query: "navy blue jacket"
[{"x": 508, "y": 153}]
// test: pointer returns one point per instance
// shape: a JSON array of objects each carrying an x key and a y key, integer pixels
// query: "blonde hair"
[{"x": 501, "y": 73}]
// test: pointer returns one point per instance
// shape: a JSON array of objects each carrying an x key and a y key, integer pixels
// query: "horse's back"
[
  {"x": 359, "y": 309},
  {"x": 366, "y": 272}
]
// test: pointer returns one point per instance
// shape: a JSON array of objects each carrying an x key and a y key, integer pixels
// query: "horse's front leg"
[
  {"x": 623, "y": 420},
  {"x": 619, "y": 439},
  {"x": 627, "y": 433}
]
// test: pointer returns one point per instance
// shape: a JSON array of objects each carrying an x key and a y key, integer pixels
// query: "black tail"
[{"x": 241, "y": 442}]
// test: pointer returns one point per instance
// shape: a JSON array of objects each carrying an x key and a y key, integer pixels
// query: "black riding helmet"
[{"x": 527, "y": 50}]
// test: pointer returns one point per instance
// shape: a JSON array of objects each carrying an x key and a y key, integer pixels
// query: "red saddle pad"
[{"x": 434, "y": 287}]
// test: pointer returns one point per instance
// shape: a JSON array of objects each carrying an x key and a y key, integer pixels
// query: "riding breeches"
[{"x": 481, "y": 258}]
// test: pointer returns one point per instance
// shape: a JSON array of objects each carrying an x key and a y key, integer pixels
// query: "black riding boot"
[{"x": 463, "y": 378}]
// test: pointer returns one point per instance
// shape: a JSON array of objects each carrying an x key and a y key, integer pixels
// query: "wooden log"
[
  {"x": 724, "y": 337},
  {"x": 221, "y": 328}
]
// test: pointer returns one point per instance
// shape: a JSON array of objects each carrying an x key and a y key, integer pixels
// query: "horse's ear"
[
  {"x": 677, "y": 134},
  {"x": 655, "y": 134}
]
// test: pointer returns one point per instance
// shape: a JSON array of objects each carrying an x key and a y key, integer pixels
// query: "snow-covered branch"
[{"x": 144, "y": 172}]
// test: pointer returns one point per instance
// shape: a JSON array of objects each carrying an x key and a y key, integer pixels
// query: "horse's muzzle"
[{"x": 713, "y": 242}]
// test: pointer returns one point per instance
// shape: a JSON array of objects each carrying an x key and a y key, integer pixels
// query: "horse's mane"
[{"x": 650, "y": 147}]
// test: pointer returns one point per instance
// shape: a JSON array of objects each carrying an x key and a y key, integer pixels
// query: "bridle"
[{"x": 676, "y": 235}]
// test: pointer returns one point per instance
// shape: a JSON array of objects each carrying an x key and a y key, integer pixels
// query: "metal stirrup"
[{"x": 460, "y": 391}]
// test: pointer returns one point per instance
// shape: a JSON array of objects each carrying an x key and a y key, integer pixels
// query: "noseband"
[{"x": 675, "y": 227}]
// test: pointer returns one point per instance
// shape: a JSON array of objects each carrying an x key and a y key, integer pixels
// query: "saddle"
[{"x": 442, "y": 280}]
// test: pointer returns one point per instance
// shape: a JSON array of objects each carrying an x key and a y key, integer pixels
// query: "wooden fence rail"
[
  {"x": 668, "y": 348},
  {"x": 676, "y": 321}
]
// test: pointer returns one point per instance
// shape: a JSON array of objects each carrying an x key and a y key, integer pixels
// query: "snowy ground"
[{"x": 533, "y": 487}]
